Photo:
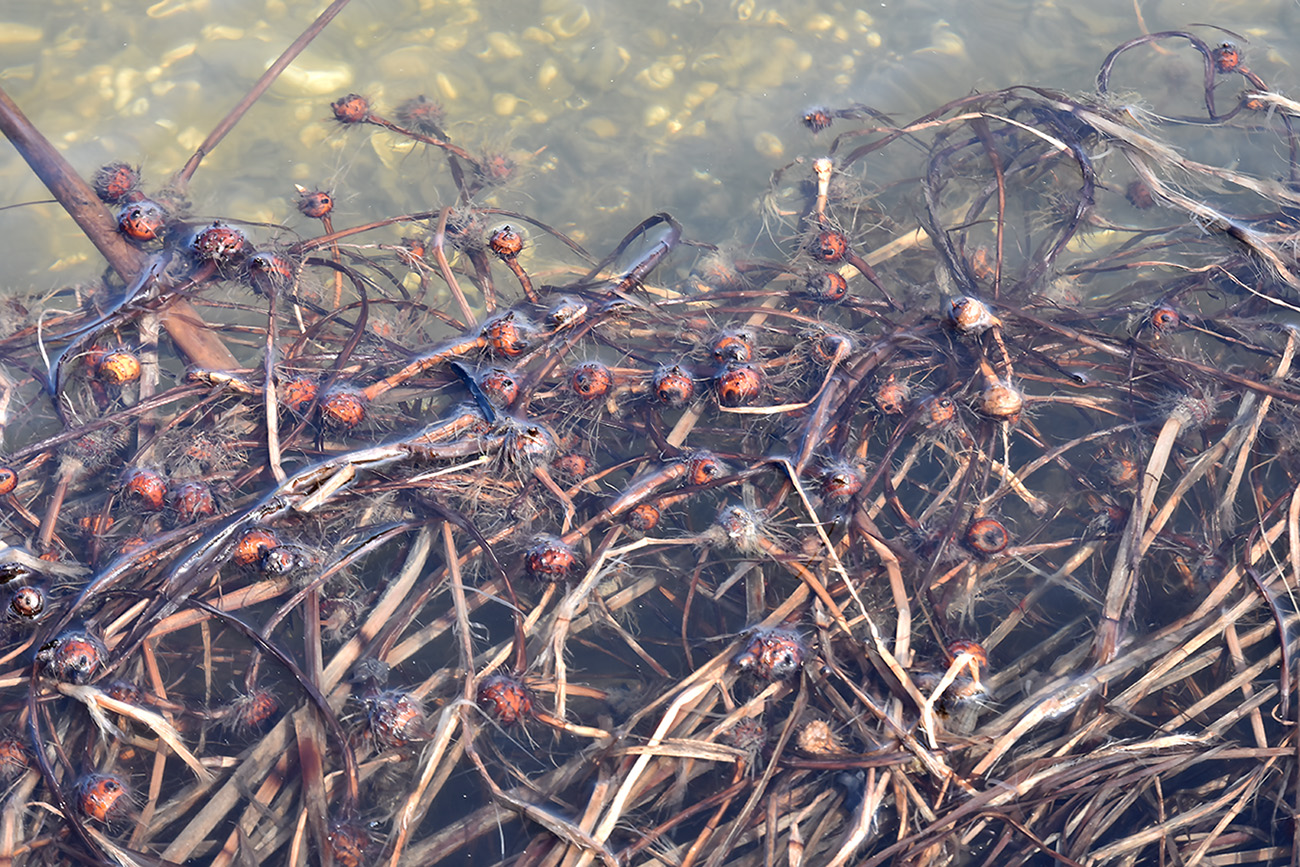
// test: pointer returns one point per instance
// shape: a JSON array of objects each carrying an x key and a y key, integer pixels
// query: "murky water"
[{"x": 611, "y": 111}]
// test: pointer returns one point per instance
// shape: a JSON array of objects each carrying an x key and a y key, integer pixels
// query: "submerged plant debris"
[{"x": 955, "y": 521}]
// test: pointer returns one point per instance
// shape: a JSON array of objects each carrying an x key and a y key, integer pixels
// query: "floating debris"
[{"x": 980, "y": 488}]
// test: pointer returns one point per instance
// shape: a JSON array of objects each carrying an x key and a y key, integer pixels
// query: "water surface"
[{"x": 611, "y": 111}]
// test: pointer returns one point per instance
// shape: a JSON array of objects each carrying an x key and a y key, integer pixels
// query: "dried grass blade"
[{"x": 97, "y": 702}]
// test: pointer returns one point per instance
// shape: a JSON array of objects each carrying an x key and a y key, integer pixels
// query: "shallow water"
[{"x": 612, "y": 111}]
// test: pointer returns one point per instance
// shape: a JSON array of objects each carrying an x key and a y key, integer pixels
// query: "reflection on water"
[{"x": 612, "y": 111}]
